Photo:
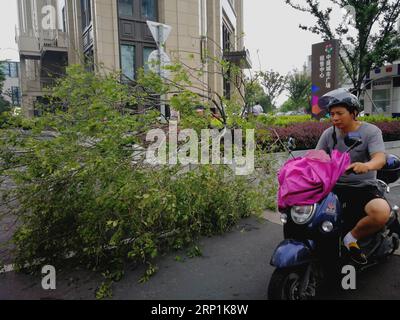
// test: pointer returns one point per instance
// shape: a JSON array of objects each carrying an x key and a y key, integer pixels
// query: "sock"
[{"x": 349, "y": 239}]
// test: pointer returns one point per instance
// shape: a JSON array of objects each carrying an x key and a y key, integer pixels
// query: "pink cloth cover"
[{"x": 308, "y": 180}]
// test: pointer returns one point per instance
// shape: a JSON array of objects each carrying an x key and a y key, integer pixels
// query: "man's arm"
[
  {"x": 376, "y": 149},
  {"x": 378, "y": 161}
]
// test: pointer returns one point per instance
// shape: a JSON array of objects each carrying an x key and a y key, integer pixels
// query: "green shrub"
[
  {"x": 377, "y": 119},
  {"x": 84, "y": 202},
  {"x": 283, "y": 121}
]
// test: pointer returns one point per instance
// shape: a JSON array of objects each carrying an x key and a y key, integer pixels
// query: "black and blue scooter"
[{"x": 313, "y": 249}]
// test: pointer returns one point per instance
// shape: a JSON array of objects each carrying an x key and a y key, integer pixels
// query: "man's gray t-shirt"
[{"x": 372, "y": 142}]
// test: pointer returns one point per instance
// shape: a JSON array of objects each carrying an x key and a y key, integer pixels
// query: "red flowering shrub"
[
  {"x": 390, "y": 130},
  {"x": 308, "y": 133}
]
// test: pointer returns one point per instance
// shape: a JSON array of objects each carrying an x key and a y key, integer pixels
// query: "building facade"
[
  {"x": 11, "y": 87},
  {"x": 382, "y": 95},
  {"x": 43, "y": 44},
  {"x": 113, "y": 34}
]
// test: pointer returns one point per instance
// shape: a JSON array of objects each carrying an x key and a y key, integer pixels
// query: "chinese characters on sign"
[
  {"x": 325, "y": 66},
  {"x": 328, "y": 59},
  {"x": 325, "y": 58}
]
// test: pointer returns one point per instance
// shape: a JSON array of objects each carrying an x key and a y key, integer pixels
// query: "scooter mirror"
[
  {"x": 353, "y": 140},
  {"x": 291, "y": 144}
]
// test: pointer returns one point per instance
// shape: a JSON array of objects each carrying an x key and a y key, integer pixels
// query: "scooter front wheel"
[{"x": 285, "y": 284}]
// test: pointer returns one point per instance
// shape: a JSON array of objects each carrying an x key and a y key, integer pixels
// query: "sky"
[
  {"x": 8, "y": 21},
  {"x": 271, "y": 28},
  {"x": 272, "y": 34}
]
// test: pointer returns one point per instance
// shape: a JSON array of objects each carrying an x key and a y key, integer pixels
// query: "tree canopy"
[
  {"x": 375, "y": 41},
  {"x": 299, "y": 89}
]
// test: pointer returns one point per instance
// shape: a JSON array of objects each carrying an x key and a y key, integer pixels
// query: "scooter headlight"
[{"x": 303, "y": 214}]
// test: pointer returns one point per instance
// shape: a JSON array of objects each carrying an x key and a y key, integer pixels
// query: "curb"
[{"x": 273, "y": 217}]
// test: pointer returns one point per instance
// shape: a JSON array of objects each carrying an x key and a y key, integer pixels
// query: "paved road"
[{"x": 234, "y": 266}]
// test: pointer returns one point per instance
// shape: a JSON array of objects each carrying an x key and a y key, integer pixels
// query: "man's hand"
[{"x": 359, "y": 168}]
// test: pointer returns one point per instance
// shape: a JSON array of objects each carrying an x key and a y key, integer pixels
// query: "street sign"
[
  {"x": 159, "y": 31},
  {"x": 160, "y": 34},
  {"x": 154, "y": 66}
]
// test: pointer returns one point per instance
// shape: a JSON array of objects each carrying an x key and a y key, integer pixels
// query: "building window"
[
  {"x": 10, "y": 69},
  {"x": 15, "y": 96},
  {"x": 381, "y": 99},
  {"x": 5, "y": 68},
  {"x": 146, "y": 54},
  {"x": 86, "y": 12},
  {"x": 13, "y": 70},
  {"x": 125, "y": 8},
  {"x": 128, "y": 61},
  {"x": 136, "y": 43},
  {"x": 227, "y": 37},
  {"x": 227, "y": 84},
  {"x": 227, "y": 46},
  {"x": 149, "y": 9},
  {"x": 64, "y": 20}
]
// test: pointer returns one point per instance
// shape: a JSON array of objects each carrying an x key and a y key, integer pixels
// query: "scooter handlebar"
[{"x": 351, "y": 171}]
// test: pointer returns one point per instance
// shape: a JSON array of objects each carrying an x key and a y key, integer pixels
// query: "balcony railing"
[
  {"x": 31, "y": 85},
  {"x": 28, "y": 43},
  {"x": 33, "y": 44},
  {"x": 239, "y": 58},
  {"x": 53, "y": 39}
]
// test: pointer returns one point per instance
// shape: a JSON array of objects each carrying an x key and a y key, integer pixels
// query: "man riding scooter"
[{"x": 365, "y": 209}]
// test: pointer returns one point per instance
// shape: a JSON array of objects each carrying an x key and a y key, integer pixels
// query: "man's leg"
[{"x": 378, "y": 214}]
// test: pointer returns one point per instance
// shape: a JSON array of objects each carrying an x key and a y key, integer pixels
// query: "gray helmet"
[{"x": 339, "y": 97}]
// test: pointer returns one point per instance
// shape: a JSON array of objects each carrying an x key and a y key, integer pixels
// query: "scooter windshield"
[{"x": 308, "y": 180}]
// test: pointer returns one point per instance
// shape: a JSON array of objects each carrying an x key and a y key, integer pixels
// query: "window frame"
[
  {"x": 383, "y": 85},
  {"x": 140, "y": 39},
  {"x": 133, "y": 60},
  {"x": 143, "y": 56},
  {"x": 86, "y": 19},
  {"x": 123, "y": 15},
  {"x": 156, "y": 14},
  {"x": 15, "y": 96},
  {"x": 137, "y": 6}
]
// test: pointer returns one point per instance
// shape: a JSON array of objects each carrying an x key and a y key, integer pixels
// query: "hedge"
[{"x": 307, "y": 134}]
